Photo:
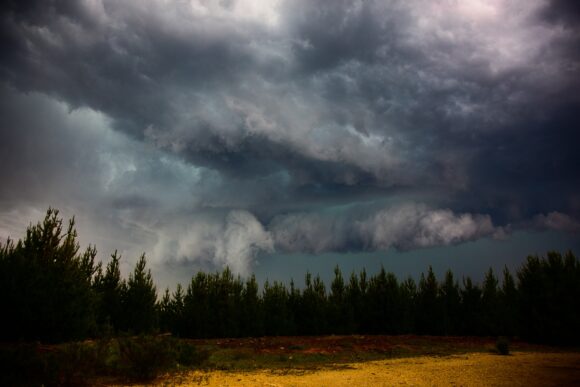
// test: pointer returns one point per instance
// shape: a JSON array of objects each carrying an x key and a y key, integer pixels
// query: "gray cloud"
[
  {"x": 256, "y": 119},
  {"x": 406, "y": 226},
  {"x": 235, "y": 240},
  {"x": 556, "y": 221}
]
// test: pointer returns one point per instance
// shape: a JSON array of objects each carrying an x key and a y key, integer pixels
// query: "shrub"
[
  {"x": 502, "y": 345},
  {"x": 35, "y": 364},
  {"x": 189, "y": 355},
  {"x": 144, "y": 357}
]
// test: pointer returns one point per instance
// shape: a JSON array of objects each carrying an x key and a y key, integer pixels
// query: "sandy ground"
[{"x": 476, "y": 369}]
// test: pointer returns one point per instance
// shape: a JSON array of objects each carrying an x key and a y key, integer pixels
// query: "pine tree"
[
  {"x": 110, "y": 288},
  {"x": 490, "y": 304},
  {"x": 471, "y": 308},
  {"x": 275, "y": 309},
  {"x": 46, "y": 284},
  {"x": 353, "y": 297},
  {"x": 429, "y": 310},
  {"x": 408, "y": 292},
  {"x": 508, "y": 308},
  {"x": 251, "y": 320},
  {"x": 336, "y": 304},
  {"x": 449, "y": 293},
  {"x": 197, "y": 312},
  {"x": 140, "y": 297}
]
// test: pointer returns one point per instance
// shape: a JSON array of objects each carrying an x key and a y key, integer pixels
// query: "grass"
[
  {"x": 125, "y": 359},
  {"x": 313, "y": 353},
  {"x": 129, "y": 359}
]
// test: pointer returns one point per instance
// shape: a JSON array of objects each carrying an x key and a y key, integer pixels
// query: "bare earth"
[{"x": 472, "y": 369}]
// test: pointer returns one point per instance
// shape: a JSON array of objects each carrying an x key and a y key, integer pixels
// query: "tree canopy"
[{"x": 51, "y": 291}]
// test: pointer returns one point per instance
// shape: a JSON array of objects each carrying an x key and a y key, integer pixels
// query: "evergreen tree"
[
  {"x": 429, "y": 310},
  {"x": 178, "y": 309},
  {"x": 532, "y": 291},
  {"x": 252, "y": 317},
  {"x": 449, "y": 293},
  {"x": 51, "y": 291},
  {"x": 171, "y": 309},
  {"x": 470, "y": 308},
  {"x": 383, "y": 303},
  {"x": 490, "y": 304},
  {"x": 294, "y": 305},
  {"x": 337, "y": 311},
  {"x": 225, "y": 298},
  {"x": 140, "y": 297},
  {"x": 408, "y": 294},
  {"x": 197, "y": 312},
  {"x": 508, "y": 307},
  {"x": 353, "y": 299},
  {"x": 364, "y": 309},
  {"x": 110, "y": 288},
  {"x": 312, "y": 316},
  {"x": 46, "y": 284},
  {"x": 277, "y": 317},
  {"x": 548, "y": 291},
  {"x": 570, "y": 297}
]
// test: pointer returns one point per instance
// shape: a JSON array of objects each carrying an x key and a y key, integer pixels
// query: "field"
[
  {"x": 378, "y": 361},
  {"x": 289, "y": 361}
]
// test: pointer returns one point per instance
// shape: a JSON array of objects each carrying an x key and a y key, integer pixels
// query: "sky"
[{"x": 281, "y": 136}]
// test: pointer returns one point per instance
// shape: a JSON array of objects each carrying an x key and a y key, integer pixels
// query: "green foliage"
[
  {"x": 470, "y": 308},
  {"x": 275, "y": 309},
  {"x": 311, "y": 316},
  {"x": 490, "y": 301},
  {"x": 52, "y": 292},
  {"x": 139, "y": 302},
  {"x": 189, "y": 355},
  {"x": 251, "y": 309},
  {"x": 429, "y": 313},
  {"x": 78, "y": 363},
  {"x": 508, "y": 301},
  {"x": 46, "y": 284},
  {"x": 548, "y": 294},
  {"x": 144, "y": 357},
  {"x": 110, "y": 288},
  {"x": 451, "y": 303}
]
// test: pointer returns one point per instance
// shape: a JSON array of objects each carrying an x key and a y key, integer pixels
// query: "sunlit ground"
[{"x": 474, "y": 369}]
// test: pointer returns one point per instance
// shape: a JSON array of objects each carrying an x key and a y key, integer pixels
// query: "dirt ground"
[{"x": 471, "y": 369}]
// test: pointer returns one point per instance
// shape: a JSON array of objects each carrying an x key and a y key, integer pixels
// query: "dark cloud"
[
  {"x": 325, "y": 37},
  {"x": 562, "y": 11},
  {"x": 287, "y": 110}
]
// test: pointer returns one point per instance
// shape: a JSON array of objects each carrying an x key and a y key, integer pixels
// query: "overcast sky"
[{"x": 280, "y": 136}]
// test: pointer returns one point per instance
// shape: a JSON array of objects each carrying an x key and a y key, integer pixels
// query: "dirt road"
[{"x": 476, "y": 369}]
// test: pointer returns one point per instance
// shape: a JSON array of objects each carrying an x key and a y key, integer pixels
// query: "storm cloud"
[
  {"x": 407, "y": 226},
  {"x": 212, "y": 133}
]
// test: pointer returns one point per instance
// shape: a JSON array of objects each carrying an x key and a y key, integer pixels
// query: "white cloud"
[
  {"x": 417, "y": 226},
  {"x": 208, "y": 241},
  {"x": 407, "y": 226}
]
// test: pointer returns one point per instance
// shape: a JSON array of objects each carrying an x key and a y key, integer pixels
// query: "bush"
[
  {"x": 189, "y": 355},
  {"x": 145, "y": 357},
  {"x": 131, "y": 358},
  {"x": 35, "y": 364},
  {"x": 502, "y": 345},
  {"x": 21, "y": 365}
]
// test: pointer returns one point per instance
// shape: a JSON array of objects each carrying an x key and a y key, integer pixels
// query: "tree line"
[{"x": 51, "y": 291}]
